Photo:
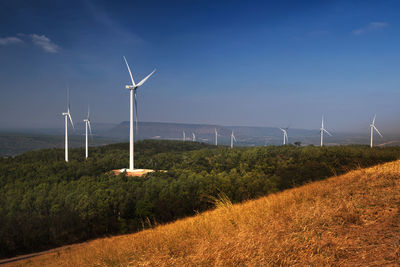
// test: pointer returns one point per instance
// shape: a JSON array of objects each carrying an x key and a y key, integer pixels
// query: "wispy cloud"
[
  {"x": 45, "y": 43},
  {"x": 10, "y": 40},
  {"x": 373, "y": 26},
  {"x": 41, "y": 41}
]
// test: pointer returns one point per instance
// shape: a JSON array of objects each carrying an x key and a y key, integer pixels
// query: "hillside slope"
[{"x": 353, "y": 219}]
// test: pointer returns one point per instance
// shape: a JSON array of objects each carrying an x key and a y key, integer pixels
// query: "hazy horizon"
[{"x": 79, "y": 124}]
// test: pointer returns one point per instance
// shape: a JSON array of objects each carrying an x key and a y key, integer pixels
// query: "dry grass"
[{"x": 349, "y": 220}]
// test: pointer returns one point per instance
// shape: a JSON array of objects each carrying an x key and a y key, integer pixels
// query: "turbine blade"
[
  {"x": 373, "y": 121},
  {"x": 90, "y": 130},
  {"x": 145, "y": 79},
  {"x": 130, "y": 73},
  {"x": 68, "y": 99},
  {"x": 70, "y": 119},
  {"x": 327, "y": 132},
  {"x": 376, "y": 129},
  {"x": 88, "y": 112}
]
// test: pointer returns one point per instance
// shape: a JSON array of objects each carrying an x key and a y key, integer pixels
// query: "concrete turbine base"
[{"x": 134, "y": 172}]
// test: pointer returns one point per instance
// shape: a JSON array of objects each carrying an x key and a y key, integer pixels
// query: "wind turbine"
[
  {"x": 285, "y": 137},
  {"x": 266, "y": 140},
  {"x": 184, "y": 136},
  {"x": 87, "y": 125},
  {"x": 232, "y": 139},
  {"x": 133, "y": 89},
  {"x": 372, "y": 125},
  {"x": 67, "y": 116},
  {"x": 322, "y": 130},
  {"x": 216, "y": 137},
  {"x": 193, "y": 137}
]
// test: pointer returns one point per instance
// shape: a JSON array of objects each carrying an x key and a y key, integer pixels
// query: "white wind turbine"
[
  {"x": 67, "y": 116},
  {"x": 322, "y": 130},
  {"x": 285, "y": 137},
  {"x": 132, "y": 89},
  {"x": 193, "y": 137},
  {"x": 184, "y": 136},
  {"x": 232, "y": 139},
  {"x": 216, "y": 137},
  {"x": 266, "y": 141},
  {"x": 372, "y": 125},
  {"x": 87, "y": 125}
]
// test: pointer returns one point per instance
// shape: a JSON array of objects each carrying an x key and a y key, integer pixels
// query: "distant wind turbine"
[
  {"x": 87, "y": 125},
  {"x": 216, "y": 137},
  {"x": 184, "y": 136},
  {"x": 285, "y": 137},
  {"x": 372, "y": 125},
  {"x": 232, "y": 139},
  {"x": 322, "y": 130},
  {"x": 133, "y": 89},
  {"x": 67, "y": 116},
  {"x": 193, "y": 137},
  {"x": 266, "y": 141}
]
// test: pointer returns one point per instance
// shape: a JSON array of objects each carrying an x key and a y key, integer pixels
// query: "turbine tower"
[
  {"x": 133, "y": 89},
  {"x": 216, "y": 137},
  {"x": 232, "y": 139},
  {"x": 193, "y": 137},
  {"x": 285, "y": 137},
  {"x": 87, "y": 125},
  {"x": 67, "y": 116},
  {"x": 322, "y": 130},
  {"x": 372, "y": 125},
  {"x": 184, "y": 136}
]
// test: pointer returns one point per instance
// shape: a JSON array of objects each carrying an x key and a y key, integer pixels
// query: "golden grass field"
[{"x": 348, "y": 220}]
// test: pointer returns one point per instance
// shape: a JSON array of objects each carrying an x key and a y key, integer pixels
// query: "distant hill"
[
  {"x": 16, "y": 141},
  {"x": 245, "y": 135},
  {"x": 12, "y": 144},
  {"x": 349, "y": 220}
]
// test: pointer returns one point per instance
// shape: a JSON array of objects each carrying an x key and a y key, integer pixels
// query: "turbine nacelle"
[{"x": 130, "y": 87}]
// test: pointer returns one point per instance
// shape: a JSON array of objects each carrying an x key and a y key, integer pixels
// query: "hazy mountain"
[
  {"x": 245, "y": 135},
  {"x": 13, "y": 142}
]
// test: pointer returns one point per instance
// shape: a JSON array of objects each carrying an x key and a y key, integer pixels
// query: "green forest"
[{"x": 46, "y": 202}]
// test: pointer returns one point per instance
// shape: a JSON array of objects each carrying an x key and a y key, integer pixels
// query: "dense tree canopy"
[{"x": 45, "y": 202}]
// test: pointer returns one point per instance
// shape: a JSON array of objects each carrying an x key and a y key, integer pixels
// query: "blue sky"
[{"x": 259, "y": 63}]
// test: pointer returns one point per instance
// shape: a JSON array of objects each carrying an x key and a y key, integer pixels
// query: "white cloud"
[
  {"x": 373, "y": 26},
  {"x": 38, "y": 40},
  {"x": 10, "y": 40},
  {"x": 45, "y": 43}
]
